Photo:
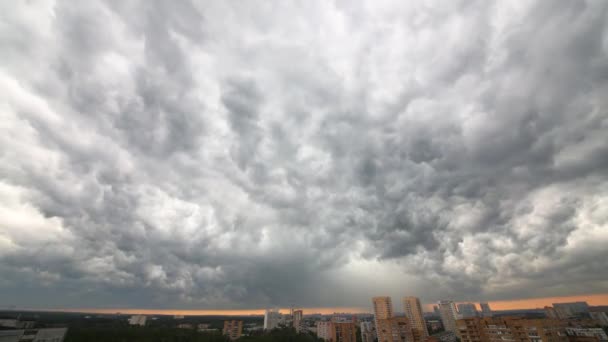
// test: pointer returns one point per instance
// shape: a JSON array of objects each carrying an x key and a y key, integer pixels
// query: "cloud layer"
[{"x": 241, "y": 155}]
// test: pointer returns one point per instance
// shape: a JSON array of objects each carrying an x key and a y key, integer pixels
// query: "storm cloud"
[{"x": 160, "y": 154}]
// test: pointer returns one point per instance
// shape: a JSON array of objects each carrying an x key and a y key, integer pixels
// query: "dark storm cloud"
[{"x": 217, "y": 155}]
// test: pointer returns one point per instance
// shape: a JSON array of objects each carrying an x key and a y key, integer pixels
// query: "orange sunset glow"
[{"x": 597, "y": 299}]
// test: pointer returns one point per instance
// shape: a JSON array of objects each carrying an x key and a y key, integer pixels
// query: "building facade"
[
  {"x": 137, "y": 320},
  {"x": 367, "y": 332},
  {"x": 395, "y": 329},
  {"x": 448, "y": 314},
  {"x": 514, "y": 329},
  {"x": 298, "y": 320},
  {"x": 324, "y": 330},
  {"x": 344, "y": 332},
  {"x": 413, "y": 311},
  {"x": 485, "y": 310},
  {"x": 272, "y": 318},
  {"x": 383, "y": 308},
  {"x": 233, "y": 329},
  {"x": 33, "y": 335},
  {"x": 570, "y": 310},
  {"x": 467, "y": 310}
]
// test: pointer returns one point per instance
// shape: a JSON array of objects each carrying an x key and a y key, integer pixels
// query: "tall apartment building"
[
  {"x": 324, "y": 330},
  {"x": 344, "y": 332},
  {"x": 272, "y": 318},
  {"x": 467, "y": 310},
  {"x": 513, "y": 329},
  {"x": 449, "y": 314},
  {"x": 485, "y": 310},
  {"x": 568, "y": 310},
  {"x": 383, "y": 309},
  {"x": 413, "y": 311},
  {"x": 600, "y": 316},
  {"x": 367, "y": 332},
  {"x": 298, "y": 320},
  {"x": 395, "y": 329},
  {"x": 233, "y": 329}
]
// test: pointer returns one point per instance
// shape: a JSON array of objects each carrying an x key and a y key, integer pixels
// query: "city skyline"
[
  {"x": 536, "y": 303},
  {"x": 234, "y": 155}
]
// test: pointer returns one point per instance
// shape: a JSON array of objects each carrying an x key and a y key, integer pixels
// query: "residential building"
[
  {"x": 137, "y": 320},
  {"x": 449, "y": 314},
  {"x": 324, "y": 330},
  {"x": 344, "y": 332},
  {"x": 395, "y": 329},
  {"x": 298, "y": 320},
  {"x": 485, "y": 310},
  {"x": 600, "y": 317},
  {"x": 413, "y": 311},
  {"x": 9, "y": 323},
  {"x": 272, "y": 318},
  {"x": 588, "y": 334},
  {"x": 383, "y": 308},
  {"x": 367, "y": 332},
  {"x": 33, "y": 335},
  {"x": 233, "y": 329},
  {"x": 550, "y": 312},
  {"x": 446, "y": 336},
  {"x": 569, "y": 310},
  {"x": 467, "y": 310},
  {"x": 517, "y": 329}
]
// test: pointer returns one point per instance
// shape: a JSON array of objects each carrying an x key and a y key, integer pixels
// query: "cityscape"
[{"x": 449, "y": 321}]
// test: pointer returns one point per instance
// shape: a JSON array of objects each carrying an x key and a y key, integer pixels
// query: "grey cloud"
[{"x": 209, "y": 155}]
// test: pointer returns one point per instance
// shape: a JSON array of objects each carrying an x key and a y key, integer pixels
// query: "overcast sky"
[{"x": 247, "y": 154}]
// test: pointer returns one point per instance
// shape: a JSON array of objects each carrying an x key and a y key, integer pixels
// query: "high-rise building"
[
  {"x": 492, "y": 329},
  {"x": 485, "y": 310},
  {"x": 324, "y": 330},
  {"x": 344, "y": 332},
  {"x": 383, "y": 309},
  {"x": 272, "y": 318},
  {"x": 449, "y": 314},
  {"x": 600, "y": 316},
  {"x": 467, "y": 310},
  {"x": 394, "y": 329},
  {"x": 298, "y": 316},
  {"x": 568, "y": 310},
  {"x": 413, "y": 311},
  {"x": 367, "y": 332},
  {"x": 233, "y": 329}
]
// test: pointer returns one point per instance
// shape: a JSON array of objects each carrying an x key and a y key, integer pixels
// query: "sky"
[{"x": 231, "y": 155}]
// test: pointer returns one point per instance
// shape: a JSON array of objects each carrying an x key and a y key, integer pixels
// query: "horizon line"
[{"x": 497, "y": 305}]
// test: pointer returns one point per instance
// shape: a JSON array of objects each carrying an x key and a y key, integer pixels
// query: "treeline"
[
  {"x": 160, "y": 334},
  {"x": 140, "y": 334}
]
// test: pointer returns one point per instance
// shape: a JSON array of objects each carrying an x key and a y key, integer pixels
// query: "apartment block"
[
  {"x": 514, "y": 329},
  {"x": 413, "y": 311},
  {"x": 395, "y": 329},
  {"x": 233, "y": 329}
]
